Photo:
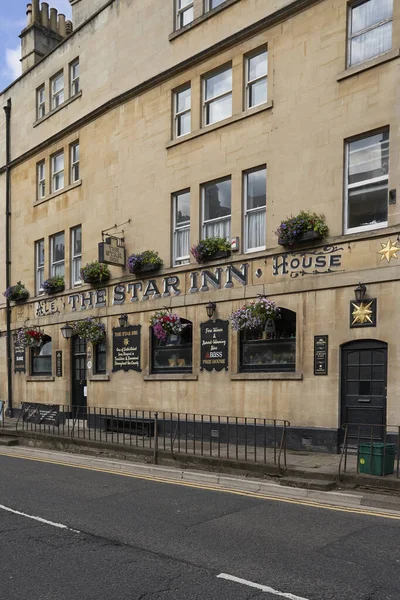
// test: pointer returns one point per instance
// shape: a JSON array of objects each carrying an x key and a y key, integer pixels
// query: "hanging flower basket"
[
  {"x": 210, "y": 249},
  {"x": 165, "y": 323},
  {"x": 32, "y": 337},
  {"x": 54, "y": 284},
  {"x": 90, "y": 329},
  {"x": 16, "y": 293},
  {"x": 95, "y": 272},
  {"x": 254, "y": 315},
  {"x": 304, "y": 227},
  {"x": 146, "y": 261}
]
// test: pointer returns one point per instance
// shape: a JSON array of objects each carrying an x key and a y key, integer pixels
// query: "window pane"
[
  {"x": 40, "y": 253},
  {"x": 183, "y": 3},
  {"x": 258, "y": 92},
  {"x": 218, "y": 229},
  {"x": 369, "y": 157},
  {"x": 75, "y": 152},
  {"x": 175, "y": 353},
  {"x": 182, "y": 243},
  {"x": 370, "y": 44},
  {"x": 58, "y": 162},
  {"x": 257, "y": 66},
  {"x": 182, "y": 208},
  {"x": 255, "y": 229},
  {"x": 370, "y": 13},
  {"x": 256, "y": 188},
  {"x": 218, "y": 110},
  {"x": 76, "y": 270},
  {"x": 77, "y": 240},
  {"x": 183, "y": 125},
  {"x": 215, "y": 3},
  {"x": 219, "y": 84},
  {"x": 58, "y": 247},
  {"x": 58, "y": 83},
  {"x": 41, "y": 362},
  {"x": 368, "y": 205},
  {"x": 217, "y": 199},
  {"x": 187, "y": 16},
  {"x": 75, "y": 70},
  {"x": 183, "y": 100}
]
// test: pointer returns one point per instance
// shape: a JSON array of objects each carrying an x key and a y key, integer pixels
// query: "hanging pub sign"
[
  {"x": 19, "y": 358},
  {"x": 112, "y": 252},
  {"x": 320, "y": 355},
  {"x": 58, "y": 363},
  {"x": 214, "y": 345},
  {"x": 126, "y": 348}
]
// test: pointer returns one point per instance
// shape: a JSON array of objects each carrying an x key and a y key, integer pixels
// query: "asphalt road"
[{"x": 143, "y": 540}]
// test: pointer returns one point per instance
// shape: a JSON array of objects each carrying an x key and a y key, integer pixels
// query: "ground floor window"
[
  {"x": 174, "y": 354},
  {"x": 272, "y": 347},
  {"x": 100, "y": 358},
  {"x": 41, "y": 363}
]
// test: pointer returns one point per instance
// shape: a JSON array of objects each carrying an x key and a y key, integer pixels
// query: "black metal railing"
[
  {"x": 375, "y": 447},
  {"x": 247, "y": 439}
]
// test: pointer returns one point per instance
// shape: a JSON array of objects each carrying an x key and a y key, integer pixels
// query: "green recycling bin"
[{"x": 381, "y": 462}]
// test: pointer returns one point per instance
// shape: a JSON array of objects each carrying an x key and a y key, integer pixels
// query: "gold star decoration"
[
  {"x": 389, "y": 250},
  {"x": 362, "y": 313},
  {"x": 126, "y": 342}
]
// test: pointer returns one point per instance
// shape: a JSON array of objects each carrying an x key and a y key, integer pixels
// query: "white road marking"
[
  {"x": 45, "y": 521},
  {"x": 258, "y": 586}
]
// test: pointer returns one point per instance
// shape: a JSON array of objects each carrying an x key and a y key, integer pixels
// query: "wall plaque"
[
  {"x": 19, "y": 358},
  {"x": 58, "y": 363},
  {"x": 126, "y": 348},
  {"x": 214, "y": 345},
  {"x": 363, "y": 314},
  {"x": 320, "y": 355}
]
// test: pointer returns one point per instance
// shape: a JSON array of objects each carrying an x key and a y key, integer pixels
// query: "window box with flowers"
[
  {"x": 17, "y": 293},
  {"x": 145, "y": 262},
  {"x": 304, "y": 227},
  {"x": 171, "y": 343},
  {"x": 90, "y": 329},
  {"x": 211, "y": 249},
  {"x": 54, "y": 284},
  {"x": 95, "y": 272}
]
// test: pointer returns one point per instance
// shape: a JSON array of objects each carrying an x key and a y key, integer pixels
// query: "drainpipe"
[{"x": 7, "y": 110}]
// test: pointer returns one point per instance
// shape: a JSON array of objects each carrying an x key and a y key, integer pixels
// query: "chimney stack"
[
  {"x": 61, "y": 25},
  {"x": 28, "y": 15},
  {"x": 45, "y": 15}
]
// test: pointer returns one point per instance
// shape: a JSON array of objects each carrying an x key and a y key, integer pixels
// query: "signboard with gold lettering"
[
  {"x": 214, "y": 345},
  {"x": 126, "y": 348}
]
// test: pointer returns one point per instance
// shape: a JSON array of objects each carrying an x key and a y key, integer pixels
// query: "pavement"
[{"x": 81, "y": 527}]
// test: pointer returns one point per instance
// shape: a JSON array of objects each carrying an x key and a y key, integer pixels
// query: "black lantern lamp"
[
  {"x": 360, "y": 292},
  {"x": 67, "y": 331},
  {"x": 211, "y": 307},
  {"x": 123, "y": 320}
]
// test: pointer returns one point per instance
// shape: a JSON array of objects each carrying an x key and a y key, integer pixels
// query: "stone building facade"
[{"x": 179, "y": 120}]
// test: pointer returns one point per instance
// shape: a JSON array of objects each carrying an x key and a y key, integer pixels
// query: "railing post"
[{"x": 155, "y": 438}]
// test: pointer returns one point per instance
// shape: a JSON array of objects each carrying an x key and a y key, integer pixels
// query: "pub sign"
[
  {"x": 214, "y": 345},
  {"x": 126, "y": 348}
]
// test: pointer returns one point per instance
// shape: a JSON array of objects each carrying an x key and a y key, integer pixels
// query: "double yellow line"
[{"x": 213, "y": 488}]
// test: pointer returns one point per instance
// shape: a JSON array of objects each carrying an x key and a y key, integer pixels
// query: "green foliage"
[{"x": 95, "y": 271}]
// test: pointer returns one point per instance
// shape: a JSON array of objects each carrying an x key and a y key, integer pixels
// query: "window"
[
  {"x": 40, "y": 102},
  {"x": 184, "y": 13},
  {"x": 182, "y": 111},
  {"x": 57, "y": 171},
  {"x": 100, "y": 359},
  {"x": 57, "y": 249},
  {"x": 76, "y": 255},
  {"x": 370, "y": 30},
  {"x": 218, "y": 96},
  {"x": 74, "y": 78},
  {"x": 256, "y": 78},
  {"x": 39, "y": 266},
  {"x": 367, "y": 182},
  {"x": 173, "y": 355},
  {"x": 181, "y": 232},
  {"x": 57, "y": 90},
  {"x": 255, "y": 198},
  {"x": 41, "y": 180},
  {"x": 217, "y": 208},
  {"x": 41, "y": 358},
  {"x": 210, "y": 4},
  {"x": 74, "y": 162},
  {"x": 271, "y": 347}
]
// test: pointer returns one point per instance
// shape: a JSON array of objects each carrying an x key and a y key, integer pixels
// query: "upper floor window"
[
  {"x": 57, "y": 171},
  {"x": 216, "y": 200},
  {"x": 255, "y": 198},
  {"x": 39, "y": 263},
  {"x": 41, "y": 358},
  {"x": 74, "y": 162},
  {"x": 256, "y": 78},
  {"x": 57, "y": 90},
  {"x": 40, "y": 102},
  {"x": 74, "y": 78},
  {"x": 181, "y": 231},
  {"x": 183, "y": 111},
  {"x": 210, "y": 4},
  {"x": 41, "y": 180},
  {"x": 217, "y": 103},
  {"x": 57, "y": 250},
  {"x": 173, "y": 354},
  {"x": 367, "y": 181},
  {"x": 76, "y": 255},
  {"x": 184, "y": 12},
  {"x": 370, "y": 30}
]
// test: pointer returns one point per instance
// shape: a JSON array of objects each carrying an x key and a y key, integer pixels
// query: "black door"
[
  {"x": 79, "y": 383},
  {"x": 364, "y": 381}
]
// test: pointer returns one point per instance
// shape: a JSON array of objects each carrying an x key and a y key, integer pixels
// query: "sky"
[{"x": 12, "y": 21}]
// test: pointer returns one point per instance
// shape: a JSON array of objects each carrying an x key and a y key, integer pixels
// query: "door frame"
[{"x": 74, "y": 404}]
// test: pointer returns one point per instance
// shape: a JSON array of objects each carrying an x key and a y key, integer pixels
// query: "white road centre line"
[
  {"x": 45, "y": 521},
  {"x": 258, "y": 586}
]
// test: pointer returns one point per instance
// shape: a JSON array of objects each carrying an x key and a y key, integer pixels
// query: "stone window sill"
[
  {"x": 369, "y": 64},
  {"x": 243, "y": 115},
  {"x": 99, "y": 378},
  {"x": 58, "y": 192},
  {"x": 266, "y": 376},
  {"x": 175, "y": 377},
  {"x": 56, "y": 110},
  {"x": 204, "y": 17},
  {"x": 40, "y": 378}
]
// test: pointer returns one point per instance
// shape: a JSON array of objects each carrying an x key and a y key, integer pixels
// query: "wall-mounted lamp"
[
  {"x": 67, "y": 331},
  {"x": 211, "y": 307},
  {"x": 360, "y": 292},
  {"x": 123, "y": 320}
]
